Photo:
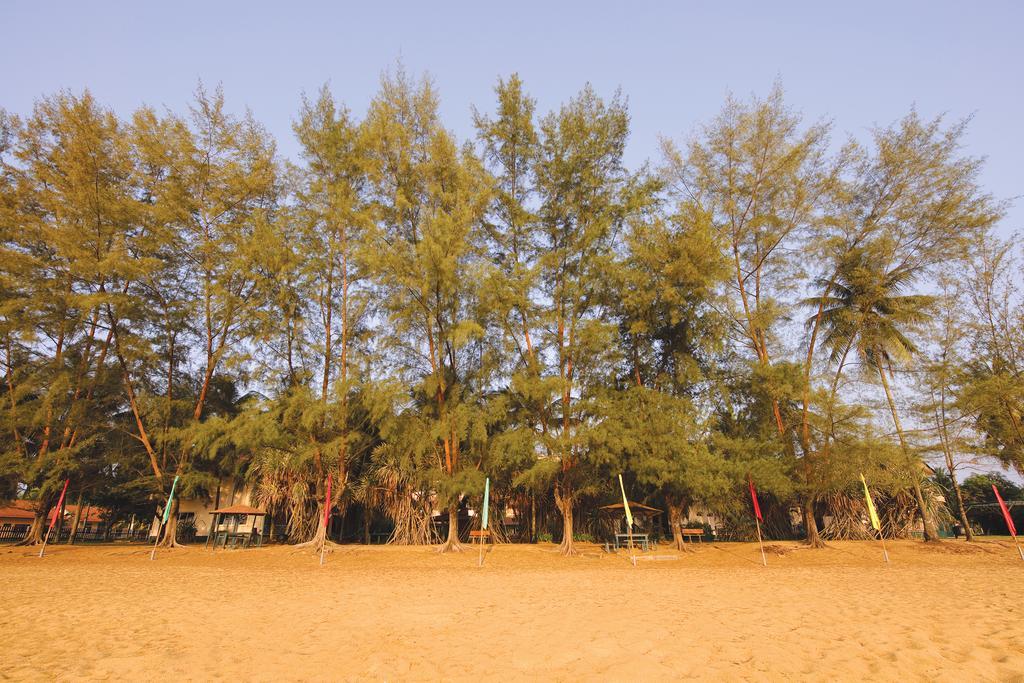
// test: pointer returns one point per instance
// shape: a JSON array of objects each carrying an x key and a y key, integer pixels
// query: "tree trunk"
[
  {"x": 37, "y": 529},
  {"x": 170, "y": 538},
  {"x": 968, "y": 533},
  {"x": 947, "y": 451},
  {"x": 320, "y": 536},
  {"x": 533, "y": 517},
  {"x": 76, "y": 521},
  {"x": 564, "y": 502},
  {"x": 676, "y": 510},
  {"x": 930, "y": 533},
  {"x": 811, "y": 525},
  {"x": 59, "y": 526},
  {"x": 452, "y": 544},
  {"x": 319, "y": 540}
]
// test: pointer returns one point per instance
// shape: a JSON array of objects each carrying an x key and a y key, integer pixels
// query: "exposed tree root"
[
  {"x": 319, "y": 543},
  {"x": 35, "y": 534},
  {"x": 783, "y": 550},
  {"x": 568, "y": 549},
  {"x": 315, "y": 545},
  {"x": 169, "y": 541},
  {"x": 815, "y": 543},
  {"x": 169, "y": 548},
  {"x": 450, "y": 546}
]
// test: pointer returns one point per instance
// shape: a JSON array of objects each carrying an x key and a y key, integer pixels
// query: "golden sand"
[{"x": 952, "y": 612}]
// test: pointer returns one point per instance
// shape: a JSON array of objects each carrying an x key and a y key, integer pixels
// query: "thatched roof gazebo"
[
  {"x": 233, "y": 535},
  {"x": 639, "y": 510}
]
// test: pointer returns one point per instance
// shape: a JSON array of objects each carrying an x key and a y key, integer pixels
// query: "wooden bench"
[
  {"x": 690, "y": 533},
  {"x": 480, "y": 536}
]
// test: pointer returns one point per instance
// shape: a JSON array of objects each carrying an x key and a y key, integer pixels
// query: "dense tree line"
[{"x": 409, "y": 312}]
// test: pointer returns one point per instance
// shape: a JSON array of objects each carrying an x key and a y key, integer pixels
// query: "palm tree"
[{"x": 865, "y": 311}]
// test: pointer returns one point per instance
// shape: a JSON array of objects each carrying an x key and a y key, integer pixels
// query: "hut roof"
[
  {"x": 90, "y": 513},
  {"x": 240, "y": 510},
  {"x": 11, "y": 511},
  {"x": 634, "y": 507}
]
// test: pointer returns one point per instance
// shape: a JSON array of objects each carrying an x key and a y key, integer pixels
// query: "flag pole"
[
  {"x": 56, "y": 511},
  {"x": 629, "y": 522},
  {"x": 873, "y": 517},
  {"x": 760, "y": 542},
  {"x": 757, "y": 517},
  {"x": 483, "y": 520},
  {"x": 152, "y": 553},
  {"x": 1009, "y": 520},
  {"x": 327, "y": 516}
]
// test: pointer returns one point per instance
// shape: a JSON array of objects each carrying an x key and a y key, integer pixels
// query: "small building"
[
  {"x": 700, "y": 516},
  {"x": 91, "y": 520},
  {"x": 15, "y": 519},
  {"x": 196, "y": 515},
  {"x": 237, "y": 524}
]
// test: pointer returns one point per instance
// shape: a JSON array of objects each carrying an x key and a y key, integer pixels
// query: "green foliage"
[{"x": 410, "y": 313}]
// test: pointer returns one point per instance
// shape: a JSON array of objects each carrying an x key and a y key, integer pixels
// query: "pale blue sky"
[{"x": 857, "y": 63}]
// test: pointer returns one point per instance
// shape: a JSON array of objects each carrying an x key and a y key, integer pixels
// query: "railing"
[
  {"x": 14, "y": 534},
  {"x": 101, "y": 536}
]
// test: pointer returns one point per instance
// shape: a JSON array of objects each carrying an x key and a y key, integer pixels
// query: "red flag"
[
  {"x": 753, "y": 497},
  {"x": 56, "y": 510},
  {"x": 327, "y": 501},
  {"x": 1006, "y": 512}
]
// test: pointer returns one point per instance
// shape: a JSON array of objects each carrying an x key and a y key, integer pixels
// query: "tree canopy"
[{"x": 409, "y": 312}]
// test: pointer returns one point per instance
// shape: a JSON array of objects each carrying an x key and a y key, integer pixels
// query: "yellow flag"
[
  {"x": 871, "y": 506},
  {"x": 625, "y": 503}
]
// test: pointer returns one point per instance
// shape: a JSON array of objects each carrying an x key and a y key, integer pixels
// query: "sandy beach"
[{"x": 951, "y": 612}]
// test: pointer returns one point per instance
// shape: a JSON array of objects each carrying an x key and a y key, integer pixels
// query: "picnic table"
[
  {"x": 233, "y": 539},
  {"x": 228, "y": 529},
  {"x": 642, "y": 541}
]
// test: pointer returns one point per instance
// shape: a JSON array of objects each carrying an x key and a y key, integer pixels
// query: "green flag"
[
  {"x": 487, "y": 498},
  {"x": 625, "y": 503},
  {"x": 167, "y": 508}
]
